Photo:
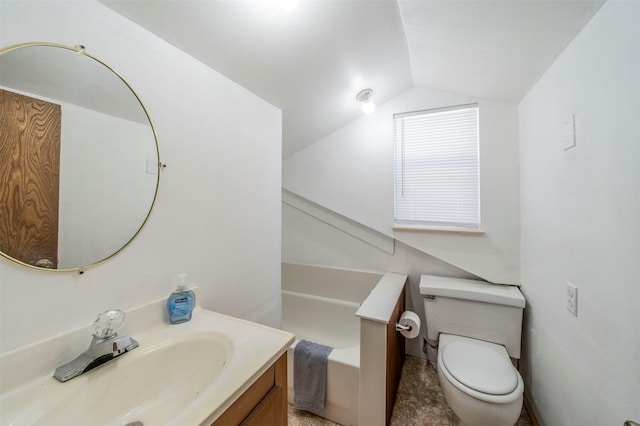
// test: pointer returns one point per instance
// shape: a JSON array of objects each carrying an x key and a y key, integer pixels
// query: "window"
[{"x": 436, "y": 168}]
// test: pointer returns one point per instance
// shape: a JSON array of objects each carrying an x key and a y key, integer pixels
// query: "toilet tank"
[{"x": 476, "y": 309}]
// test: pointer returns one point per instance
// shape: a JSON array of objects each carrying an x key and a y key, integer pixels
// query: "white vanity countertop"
[{"x": 30, "y": 395}]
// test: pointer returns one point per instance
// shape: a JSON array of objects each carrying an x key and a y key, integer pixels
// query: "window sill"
[{"x": 433, "y": 229}]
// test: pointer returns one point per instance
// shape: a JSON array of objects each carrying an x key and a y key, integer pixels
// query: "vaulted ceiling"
[{"x": 312, "y": 61}]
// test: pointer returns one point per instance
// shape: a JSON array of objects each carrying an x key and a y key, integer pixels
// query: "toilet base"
[{"x": 469, "y": 411}]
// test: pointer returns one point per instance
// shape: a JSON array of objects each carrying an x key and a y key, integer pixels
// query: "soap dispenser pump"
[{"x": 181, "y": 302}]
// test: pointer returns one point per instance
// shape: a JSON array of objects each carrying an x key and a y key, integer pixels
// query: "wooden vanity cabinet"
[{"x": 264, "y": 403}]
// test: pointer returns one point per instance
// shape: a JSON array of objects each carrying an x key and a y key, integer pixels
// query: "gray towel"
[{"x": 310, "y": 376}]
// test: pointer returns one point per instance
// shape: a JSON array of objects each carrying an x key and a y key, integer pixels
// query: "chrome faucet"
[{"x": 105, "y": 346}]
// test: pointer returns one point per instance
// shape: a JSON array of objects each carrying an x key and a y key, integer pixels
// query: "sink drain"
[{"x": 135, "y": 424}]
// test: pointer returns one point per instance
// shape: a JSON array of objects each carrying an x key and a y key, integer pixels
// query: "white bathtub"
[
  {"x": 337, "y": 308},
  {"x": 331, "y": 322}
]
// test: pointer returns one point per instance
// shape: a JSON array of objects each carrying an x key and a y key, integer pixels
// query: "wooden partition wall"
[{"x": 395, "y": 356}]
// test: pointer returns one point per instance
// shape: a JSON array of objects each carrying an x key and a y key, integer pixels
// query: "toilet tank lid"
[{"x": 480, "y": 291}]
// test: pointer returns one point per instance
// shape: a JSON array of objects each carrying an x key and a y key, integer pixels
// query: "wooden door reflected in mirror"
[{"x": 30, "y": 169}]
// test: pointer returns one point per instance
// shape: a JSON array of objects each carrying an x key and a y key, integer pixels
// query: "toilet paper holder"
[
  {"x": 402, "y": 327},
  {"x": 408, "y": 325}
]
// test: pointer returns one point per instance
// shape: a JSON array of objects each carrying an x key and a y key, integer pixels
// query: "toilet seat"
[{"x": 480, "y": 369}]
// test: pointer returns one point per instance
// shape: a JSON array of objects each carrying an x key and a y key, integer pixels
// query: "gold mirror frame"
[{"x": 81, "y": 50}]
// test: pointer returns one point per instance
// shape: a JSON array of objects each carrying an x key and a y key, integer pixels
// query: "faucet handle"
[{"x": 108, "y": 323}]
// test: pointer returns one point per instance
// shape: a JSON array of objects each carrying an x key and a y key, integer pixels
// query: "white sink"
[{"x": 182, "y": 374}]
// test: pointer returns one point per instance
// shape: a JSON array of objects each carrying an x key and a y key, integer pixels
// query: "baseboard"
[{"x": 530, "y": 410}]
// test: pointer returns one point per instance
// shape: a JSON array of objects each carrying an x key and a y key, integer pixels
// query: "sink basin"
[
  {"x": 184, "y": 374},
  {"x": 149, "y": 385}
]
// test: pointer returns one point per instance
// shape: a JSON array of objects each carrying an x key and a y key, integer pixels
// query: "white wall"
[
  {"x": 218, "y": 211},
  {"x": 351, "y": 172},
  {"x": 309, "y": 241},
  {"x": 105, "y": 191},
  {"x": 580, "y": 211}
]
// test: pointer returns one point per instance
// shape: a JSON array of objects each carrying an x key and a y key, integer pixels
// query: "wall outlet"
[{"x": 572, "y": 298}]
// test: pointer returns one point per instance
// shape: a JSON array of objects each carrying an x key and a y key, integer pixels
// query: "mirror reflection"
[{"x": 78, "y": 158}]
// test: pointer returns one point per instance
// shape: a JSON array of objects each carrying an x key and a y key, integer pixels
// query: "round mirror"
[{"x": 79, "y": 160}]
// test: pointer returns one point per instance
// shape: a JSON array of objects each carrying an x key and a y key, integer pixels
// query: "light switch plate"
[
  {"x": 572, "y": 298},
  {"x": 569, "y": 132},
  {"x": 152, "y": 166}
]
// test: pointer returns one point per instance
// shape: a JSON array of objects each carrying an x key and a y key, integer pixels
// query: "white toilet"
[{"x": 476, "y": 328}]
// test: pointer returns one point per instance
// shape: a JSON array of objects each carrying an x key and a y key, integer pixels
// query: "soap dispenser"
[{"x": 181, "y": 302}]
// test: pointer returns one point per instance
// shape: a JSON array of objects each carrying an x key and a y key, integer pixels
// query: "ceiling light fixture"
[{"x": 364, "y": 96}]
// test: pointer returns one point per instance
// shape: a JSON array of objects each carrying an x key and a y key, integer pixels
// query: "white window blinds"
[{"x": 436, "y": 168}]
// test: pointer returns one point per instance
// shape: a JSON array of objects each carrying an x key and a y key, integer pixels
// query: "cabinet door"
[
  {"x": 268, "y": 412},
  {"x": 264, "y": 403}
]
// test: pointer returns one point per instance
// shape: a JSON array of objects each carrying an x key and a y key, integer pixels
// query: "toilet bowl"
[{"x": 479, "y": 382}]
